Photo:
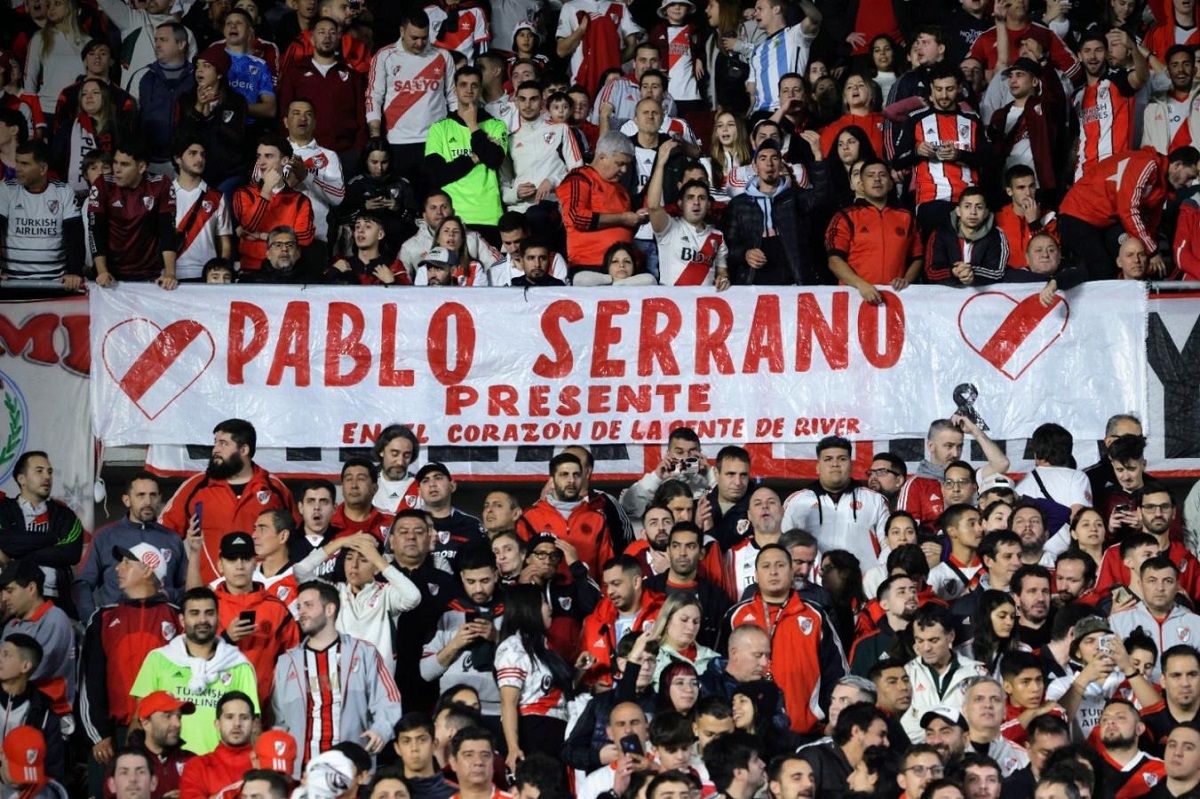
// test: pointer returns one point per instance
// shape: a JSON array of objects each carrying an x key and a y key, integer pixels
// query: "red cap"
[
  {"x": 25, "y": 754},
  {"x": 163, "y": 701},
  {"x": 276, "y": 751}
]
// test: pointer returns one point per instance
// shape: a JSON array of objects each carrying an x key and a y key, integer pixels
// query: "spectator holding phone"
[
  {"x": 254, "y": 621},
  {"x": 627, "y": 726}
]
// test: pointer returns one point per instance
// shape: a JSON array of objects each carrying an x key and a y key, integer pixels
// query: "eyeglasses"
[
  {"x": 963, "y": 483},
  {"x": 882, "y": 472},
  {"x": 283, "y": 245},
  {"x": 934, "y": 771},
  {"x": 555, "y": 555},
  {"x": 1163, "y": 508}
]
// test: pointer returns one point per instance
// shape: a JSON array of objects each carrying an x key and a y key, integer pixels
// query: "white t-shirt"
[
  {"x": 1065, "y": 486},
  {"x": 689, "y": 257}
]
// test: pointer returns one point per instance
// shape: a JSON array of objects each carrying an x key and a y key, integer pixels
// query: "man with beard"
[
  {"x": 790, "y": 776},
  {"x": 684, "y": 550},
  {"x": 229, "y": 495},
  {"x": 310, "y": 678},
  {"x": 396, "y": 448},
  {"x": 886, "y": 477},
  {"x": 356, "y": 514},
  {"x": 197, "y": 667},
  {"x": 945, "y": 730},
  {"x": 898, "y": 598},
  {"x": 97, "y": 582},
  {"x": 1106, "y": 103},
  {"x": 1125, "y": 770},
  {"x": 650, "y": 548},
  {"x": 1158, "y": 513},
  {"x": 839, "y": 512},
  {"x": 410, "y": 542},
  {"x": 922, "y": 494},
  {"x": 161, "y": 718},
  {"x": 1031, "y": 591},
  {"x": 1181, "y": 762},
  {"x": 337, "y": 89},
  {"x": 627, "y": 607},
  {"x": 1181, "y": 696},
  {"x": 983, "y": 708},
  {"x": 1028, "y": 521},
  {"x": 463, "y": 647},
  {"x": 207, "y": 775},
  {"x": 571, "y": 515}
]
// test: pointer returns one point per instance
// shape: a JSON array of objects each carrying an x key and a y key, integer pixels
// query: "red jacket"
[
  {"x": 378, "y": 524},
  {"x": 275, "y": 631},
  {"x": 256, "y": 215},
  {"x": 599, "y": 634},
  {"x": 1113, "y": 570},
  {"x": 1019, "y": 232},
  {"x": 584, "y": 196},
  {"x": 1129, "y": 188},
  {"x": 586, "y": 529},
  {"x": 806, "y": 657},
  {"x": 208, "y": 775},
  {"x": 223, "y": 511},
  {"x": 354, "y": 53},
  {"x": 922, "y": 497}
]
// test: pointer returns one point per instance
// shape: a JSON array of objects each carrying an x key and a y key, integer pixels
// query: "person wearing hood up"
[
  {"x": 968, "y": 249},
  {"x": 767, "y": 229}
]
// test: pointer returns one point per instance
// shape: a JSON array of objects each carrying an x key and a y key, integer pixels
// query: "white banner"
[
  {"x": 44, "y": 364},
  {"x": 319, "y": 368}
]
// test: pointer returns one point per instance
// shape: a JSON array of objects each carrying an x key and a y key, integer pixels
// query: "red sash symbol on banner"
[
  {"x": 144, "y": 359},
  {"x": 1022, "y": 337}
]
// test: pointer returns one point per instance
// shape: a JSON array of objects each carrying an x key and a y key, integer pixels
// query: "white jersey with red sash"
[
  {"x": 689, "y": 257},
  {"x": 201, "y": 215},
  {"x": 681, "y": 71}
]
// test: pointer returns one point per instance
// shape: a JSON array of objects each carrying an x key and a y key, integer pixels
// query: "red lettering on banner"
[
  {"x": 458, "y": 398},
  {"x": 390, "y": 376},
  {"x": 355, "y": 433},
  {"x": 539, "y": 398},
  {"x": 893, "y": 331},
  {"x": 292, "y": 349},
  {"x": 34, "y": 340},
  {"x": 338, "y": 345},
  {"x": 559, "y": 311},
  {"x": 439, "y": 342},
  {"x": 655, "y": 344},
  {"x": 502, "y": 400},
  {"x": 606, "y": 336},
  {"x": 710, "y": 341},
  {"x": 568, "y": 401},
  {"x": 698, "y": 398},
  {"x": 831, "y": 337},
  {"x": 766, "y": 338},
  {"x": 242, "y": 352},
  {"x": 598, "y": 399}
]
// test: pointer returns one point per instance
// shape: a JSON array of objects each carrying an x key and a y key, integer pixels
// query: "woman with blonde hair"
[
  {"x": 730, "y": 149},
  {"x": 54, "y": 54},
  {"x": 675, "y": 629}
]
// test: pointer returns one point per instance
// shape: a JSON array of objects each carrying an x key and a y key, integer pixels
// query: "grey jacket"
[
  {"x": 370, "y": 698},
  {"x": 96, "y": 581}
]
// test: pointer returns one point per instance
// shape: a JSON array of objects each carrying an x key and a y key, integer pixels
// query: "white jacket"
[
  {"x": 422, "y": 242},
  {"x": 324, "y": 185},
  {"x": 1181, "y": 626},
  {"x": 856, "y": 523},
  {"x": 930, "y": 691},
  {"x": 1156, "y": 125},
  {"x": 538, "y": 150}
]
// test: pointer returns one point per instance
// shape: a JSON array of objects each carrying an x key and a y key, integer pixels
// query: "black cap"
[
  {"x": 433, "y": 468},
  {"x": 237, "y": 546},
  {"x": 22, "y": 572},
  {"x": 1025, "y": 64}
]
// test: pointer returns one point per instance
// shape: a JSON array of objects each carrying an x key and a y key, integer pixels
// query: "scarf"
[{"x": 204, "y": 672}]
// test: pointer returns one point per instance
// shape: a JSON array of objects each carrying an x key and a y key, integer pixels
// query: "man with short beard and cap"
[
  {"x": 161, "y": 718},
  {"x": 209, "y": 505},
  {"x": 199, "y": 667},
  {"x": 310, "y": 677},
  {"x": 945, "y": 729}
]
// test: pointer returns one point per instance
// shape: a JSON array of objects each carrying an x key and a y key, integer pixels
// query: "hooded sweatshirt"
[{"x": 985, "y": 249}]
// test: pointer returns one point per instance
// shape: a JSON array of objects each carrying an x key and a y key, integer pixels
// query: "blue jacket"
[
  {"x": 96, "y": 582},
  {"x": 158, "y": 94}
]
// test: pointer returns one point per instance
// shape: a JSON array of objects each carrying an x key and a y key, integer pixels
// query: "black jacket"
[
  {"x": 59, "y": 546},
  {"x": 831, "y": 770},
  {"x": 791, "y": 209},
  {"x": 222, "y": 132}
]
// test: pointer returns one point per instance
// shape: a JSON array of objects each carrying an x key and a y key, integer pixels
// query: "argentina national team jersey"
[{"x": 783, "y": 52}]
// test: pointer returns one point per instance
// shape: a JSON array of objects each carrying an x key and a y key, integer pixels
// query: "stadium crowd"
[
  {"x": 944, "y": 633},
  {"x": 871, "y": 143}
]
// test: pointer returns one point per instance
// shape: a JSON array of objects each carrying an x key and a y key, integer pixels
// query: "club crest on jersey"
[
  {"x": 206, "y": 205},
  {"x": 226, "y": 678},
  {"x": 433, "y": 588},
  {"x": 410, "y": 501},
  {"x": 345, "y": 76},
  {"x": 179, "y": 767},
  {"x": 263, "y": 497},
  {"x": 227, "y": 116},
  {"x": 564, "y": 602},
  {"x": 168, "y": 630},
  {"x": 53, "y": 206},
  {"x": 148, "y": 202},
  {"x": 964, "y": 131},
  {"x": 1185, "y": 634},
  {"x": 443, "y": 537},
  {"x": 806, "y": 626},
  {"x": 319, "y": 161},
  {"x": 281, "y": 592},
  {"x": 548, "y": 137},
  {"x": 1151, "y": 779}
]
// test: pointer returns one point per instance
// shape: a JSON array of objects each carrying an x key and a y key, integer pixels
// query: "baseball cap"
[
  {"x": 163, "y": 702},
  {"x": 995, "y": 481},
  {"x": 440, "y": 257},
  {"x": 25, "y": 753},
  {"x": 768, "y": 144},
  {"x": 1025, "y": 64},
  {"x": 1090, "y": 624},
  {"x": 22, "y": 572},
  {"x": 149, "y": 556},
  {"x": 433, "y": 468},
  {"x": 541, "y": 538},
  {"x": 945, "y": 713},
  {"x": 237, "y": 546},
  {"x": 276, "y": 751},
  {"x": 328, "y": 775}
]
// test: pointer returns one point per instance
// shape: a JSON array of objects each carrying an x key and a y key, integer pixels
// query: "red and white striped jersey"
[
  {"x": 470, "y": 36},
  {"x": 681, "y": 71},
  {"x": 408, "y": 92},
  {"x": 1105, "y": 110},
  {"x": 689, "y": 257},
  {"x": 739, "y": 566},
  {"x": 944, "y": 180},
  {"x": 324, "y": 700}
]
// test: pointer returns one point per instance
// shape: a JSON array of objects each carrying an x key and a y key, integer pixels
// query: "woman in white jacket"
[{"x": 55, "y": 53}]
